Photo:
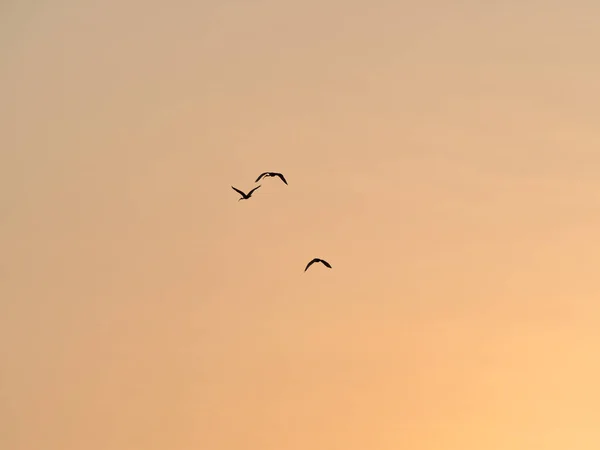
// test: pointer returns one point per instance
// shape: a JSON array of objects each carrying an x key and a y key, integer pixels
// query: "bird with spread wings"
[
  {"x": 271, "y": 174},
  {"x": 317, "y": 260},
  {"x": 245, "y": 196}
]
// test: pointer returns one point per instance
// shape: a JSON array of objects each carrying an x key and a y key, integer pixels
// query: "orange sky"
[{"x": 443, "y": 157}]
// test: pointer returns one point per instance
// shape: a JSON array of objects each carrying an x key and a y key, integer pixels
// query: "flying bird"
[
  {"x": 271, "y": 174},
  {"x": 245, "y": 196},
  {"x": 317, "y": 260}
]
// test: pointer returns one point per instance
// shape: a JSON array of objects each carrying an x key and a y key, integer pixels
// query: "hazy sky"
[{"x": 444, "y": 157}]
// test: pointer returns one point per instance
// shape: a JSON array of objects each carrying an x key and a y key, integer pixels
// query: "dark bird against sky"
[
  {"x": 271, "y": 174},
  {"x": 245, "y": 196},
  {"x": 317, "y": 260}
]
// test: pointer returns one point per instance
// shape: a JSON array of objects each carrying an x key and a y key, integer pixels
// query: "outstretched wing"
[
  {"x": 310, "y": 264},
  {"x": 326, "y": 263},
  {"x": 250, "y": 193},
  {"x": 238, "y": 191},
  {"x": 280, "y": 175},
  {"x": 260, "y": 176}
]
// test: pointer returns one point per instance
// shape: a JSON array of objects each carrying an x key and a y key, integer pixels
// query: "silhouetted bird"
[
  {"x": 317, "y": 260},
  {"x": 245, "y": 196},
  {"x": 271, "y": 174}
]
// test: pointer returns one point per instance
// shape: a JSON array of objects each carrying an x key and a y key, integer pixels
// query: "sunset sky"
[{"x": 443, "y": 156}]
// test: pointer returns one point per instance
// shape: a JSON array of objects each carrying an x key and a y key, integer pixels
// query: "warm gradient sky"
[{"x": 443, "y": 156}]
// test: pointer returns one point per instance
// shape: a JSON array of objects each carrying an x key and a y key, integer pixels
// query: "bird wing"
[
  {"x": 238, "y": 191},
  {"x": 280, "y": 175},
  {"x": 250, "y": 193},
  {"x": 326, "y": 263},
  {"x": 260, "y": 176},
  {"x": 310, "y": 264}
]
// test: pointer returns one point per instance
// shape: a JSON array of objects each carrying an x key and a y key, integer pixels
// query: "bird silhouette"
[
  {"x": 245, "y": 196},
  {"x": 317, "y": 260},
  {"x": 271, "y": 174}
]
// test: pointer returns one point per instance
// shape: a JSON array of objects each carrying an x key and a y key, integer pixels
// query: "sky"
[{"x": 442, "y": 156}]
